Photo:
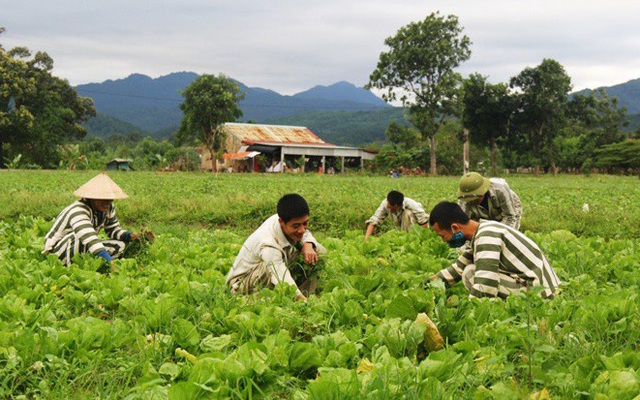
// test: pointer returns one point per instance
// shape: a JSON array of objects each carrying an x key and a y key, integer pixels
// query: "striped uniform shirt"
[
  {"x": 503, "y": 204},
  {"x": 85, "y": 223},
  {"x": 497, "y": 249}
]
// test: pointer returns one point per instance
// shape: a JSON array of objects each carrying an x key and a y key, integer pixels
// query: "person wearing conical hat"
[
  {"x": 75, "y": 230},
  {"x": 492, "y": 199}
]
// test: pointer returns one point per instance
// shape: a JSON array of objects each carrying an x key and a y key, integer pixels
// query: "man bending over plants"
[
  {"x": 403, "y": 211},
  {"x": 269, "y": 255},
  {"x": 500, "y": 260},
  {"x": 76, "y": 228},
  {"x": 493, "y": 199}
]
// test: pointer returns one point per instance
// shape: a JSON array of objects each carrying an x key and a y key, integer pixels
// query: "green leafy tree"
[
  {"x": 600, "y": 116},
  {"x": 402, "y": 136},
  {"x": 418, "y": 71},
  {"x": 621, "y": 155},
  {"x": 594, "y": 120},
  {"x": 15, "y": 163},
  {"x": 600, "y": 112},
  {"x": 149, "y": 153},
  {"x": 486, "y": 112},
  {"x": 71, "y": 156},
  {"x": 183, "y": 158},
  {"x": 543, "y": 94},
  {"x": 209, "y": 102},
  {"x": 96, "y": 151},
  {"x": 38, "y": 111},
  {"x": 15, "y": 117}
]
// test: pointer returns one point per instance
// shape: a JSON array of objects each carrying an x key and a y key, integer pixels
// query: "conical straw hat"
[{"x": 100, "y": 188}]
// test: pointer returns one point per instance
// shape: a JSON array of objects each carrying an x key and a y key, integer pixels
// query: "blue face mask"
[{"x": 457, "y": 240}]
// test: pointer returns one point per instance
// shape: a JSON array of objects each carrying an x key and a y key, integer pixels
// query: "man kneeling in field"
[
  {"x": 404, "y": 213},
  {"x": 268, "y": 254},
  {"x": 500, "y": 260},
  {"x": 76, "y": 228}
]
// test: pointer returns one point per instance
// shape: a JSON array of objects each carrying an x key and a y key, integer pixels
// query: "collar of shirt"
[
  {"x": 481, "y": 221},
  {"x": 400, "y": 210},
  {"x": 279, "y": 235},
  {"x": 485, "y": 200}
]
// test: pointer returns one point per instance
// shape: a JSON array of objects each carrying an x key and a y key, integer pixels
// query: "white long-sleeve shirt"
[
  {"x": 409, "y": 204},
  {"x": 268, "y": 244}
]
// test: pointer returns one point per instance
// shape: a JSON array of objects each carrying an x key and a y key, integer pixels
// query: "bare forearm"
[{"x": 370, "y": 229}]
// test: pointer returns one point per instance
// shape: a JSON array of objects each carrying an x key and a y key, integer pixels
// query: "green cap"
[{"x": 472, "y": 186}]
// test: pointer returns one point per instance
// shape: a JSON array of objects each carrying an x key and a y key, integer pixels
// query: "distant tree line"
[
  {"x": 509, "y": 130},
  {"x": 531, "y": 121}
]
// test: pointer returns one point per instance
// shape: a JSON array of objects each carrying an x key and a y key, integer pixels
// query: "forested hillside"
[
  {"x": 104, "y": 126},
  {"x": 340, "y": 113},
  {"x": 152, "y": 105},
  {"x": 356, "y": 128},
  {"x": 628, "y": 94}
]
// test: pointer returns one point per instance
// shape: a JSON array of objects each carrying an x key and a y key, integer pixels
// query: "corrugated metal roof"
[
  {"x": 241, "y": 155},
  {"x": 252, "y": 133}
]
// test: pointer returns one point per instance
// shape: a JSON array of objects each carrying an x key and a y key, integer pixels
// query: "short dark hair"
[
  {"x": 446, "y": 213},
  {"x": 396, "y": 198},
  {"x": 292, "y": 206}
]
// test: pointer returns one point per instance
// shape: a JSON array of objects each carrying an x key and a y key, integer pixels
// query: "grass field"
[
  {"x": 242, "y": 201},
  {"x": 165, "y": 326}
]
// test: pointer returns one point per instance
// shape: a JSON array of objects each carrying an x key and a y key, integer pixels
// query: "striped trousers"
[
  {"x": 508, "y": 284},
  {"x": 69, "y": 246}
]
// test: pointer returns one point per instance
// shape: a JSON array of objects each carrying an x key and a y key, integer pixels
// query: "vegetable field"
[{"x": 164, "y": 325}]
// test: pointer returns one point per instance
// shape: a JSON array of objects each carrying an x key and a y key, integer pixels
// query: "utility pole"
[{"x": 465, "y": 151}]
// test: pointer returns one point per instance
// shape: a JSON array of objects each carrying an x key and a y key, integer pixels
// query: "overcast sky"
[{"x": 292, "y": 45}]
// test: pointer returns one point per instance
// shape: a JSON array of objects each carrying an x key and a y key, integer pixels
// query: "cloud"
[{"x": 291, "y": 45}]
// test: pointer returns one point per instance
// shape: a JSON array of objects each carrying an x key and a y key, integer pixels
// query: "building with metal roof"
[
  {"x": 280, "y": 148},
  {"x": 120, "y": 164}
]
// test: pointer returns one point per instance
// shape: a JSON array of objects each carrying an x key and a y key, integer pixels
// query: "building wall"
[{"x": 231, "y": 145}]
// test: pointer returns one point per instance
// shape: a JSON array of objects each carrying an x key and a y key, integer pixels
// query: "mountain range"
[
  {"x": 152, "y": 104},
  {"x": 340, "y": 113},
  {"x": 628, "y": 95}
]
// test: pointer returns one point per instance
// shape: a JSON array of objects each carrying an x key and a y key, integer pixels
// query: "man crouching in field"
[
  {"x": 500, "y": 261},
  {"x": 266, "y": 256},
  {"x": 76, "y": 228}
]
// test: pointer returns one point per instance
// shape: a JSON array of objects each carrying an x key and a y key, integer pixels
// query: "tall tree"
[
  {"x": 486, "y": 112},
  {"x": 418, "y": 71},
  {"x": 594, "y": 120},
  {"x": 38, "y": 111},
  {"x": 600, "y": 114},
  {"x": 543, "y": 94},
  {"x": 402, "y": 136},
  {"x": 620, "y": 155},
  {"x": 209, "y": 102}
]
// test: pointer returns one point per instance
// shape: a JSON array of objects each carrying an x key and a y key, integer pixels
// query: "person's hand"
[
  {"x": 433, "y": 277},
  {"x": 310, "y": 255},
  {"x": 144, "y": 234},
  {"x": 148, "y": 235},
  {"x": 301, "y": 297}
]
